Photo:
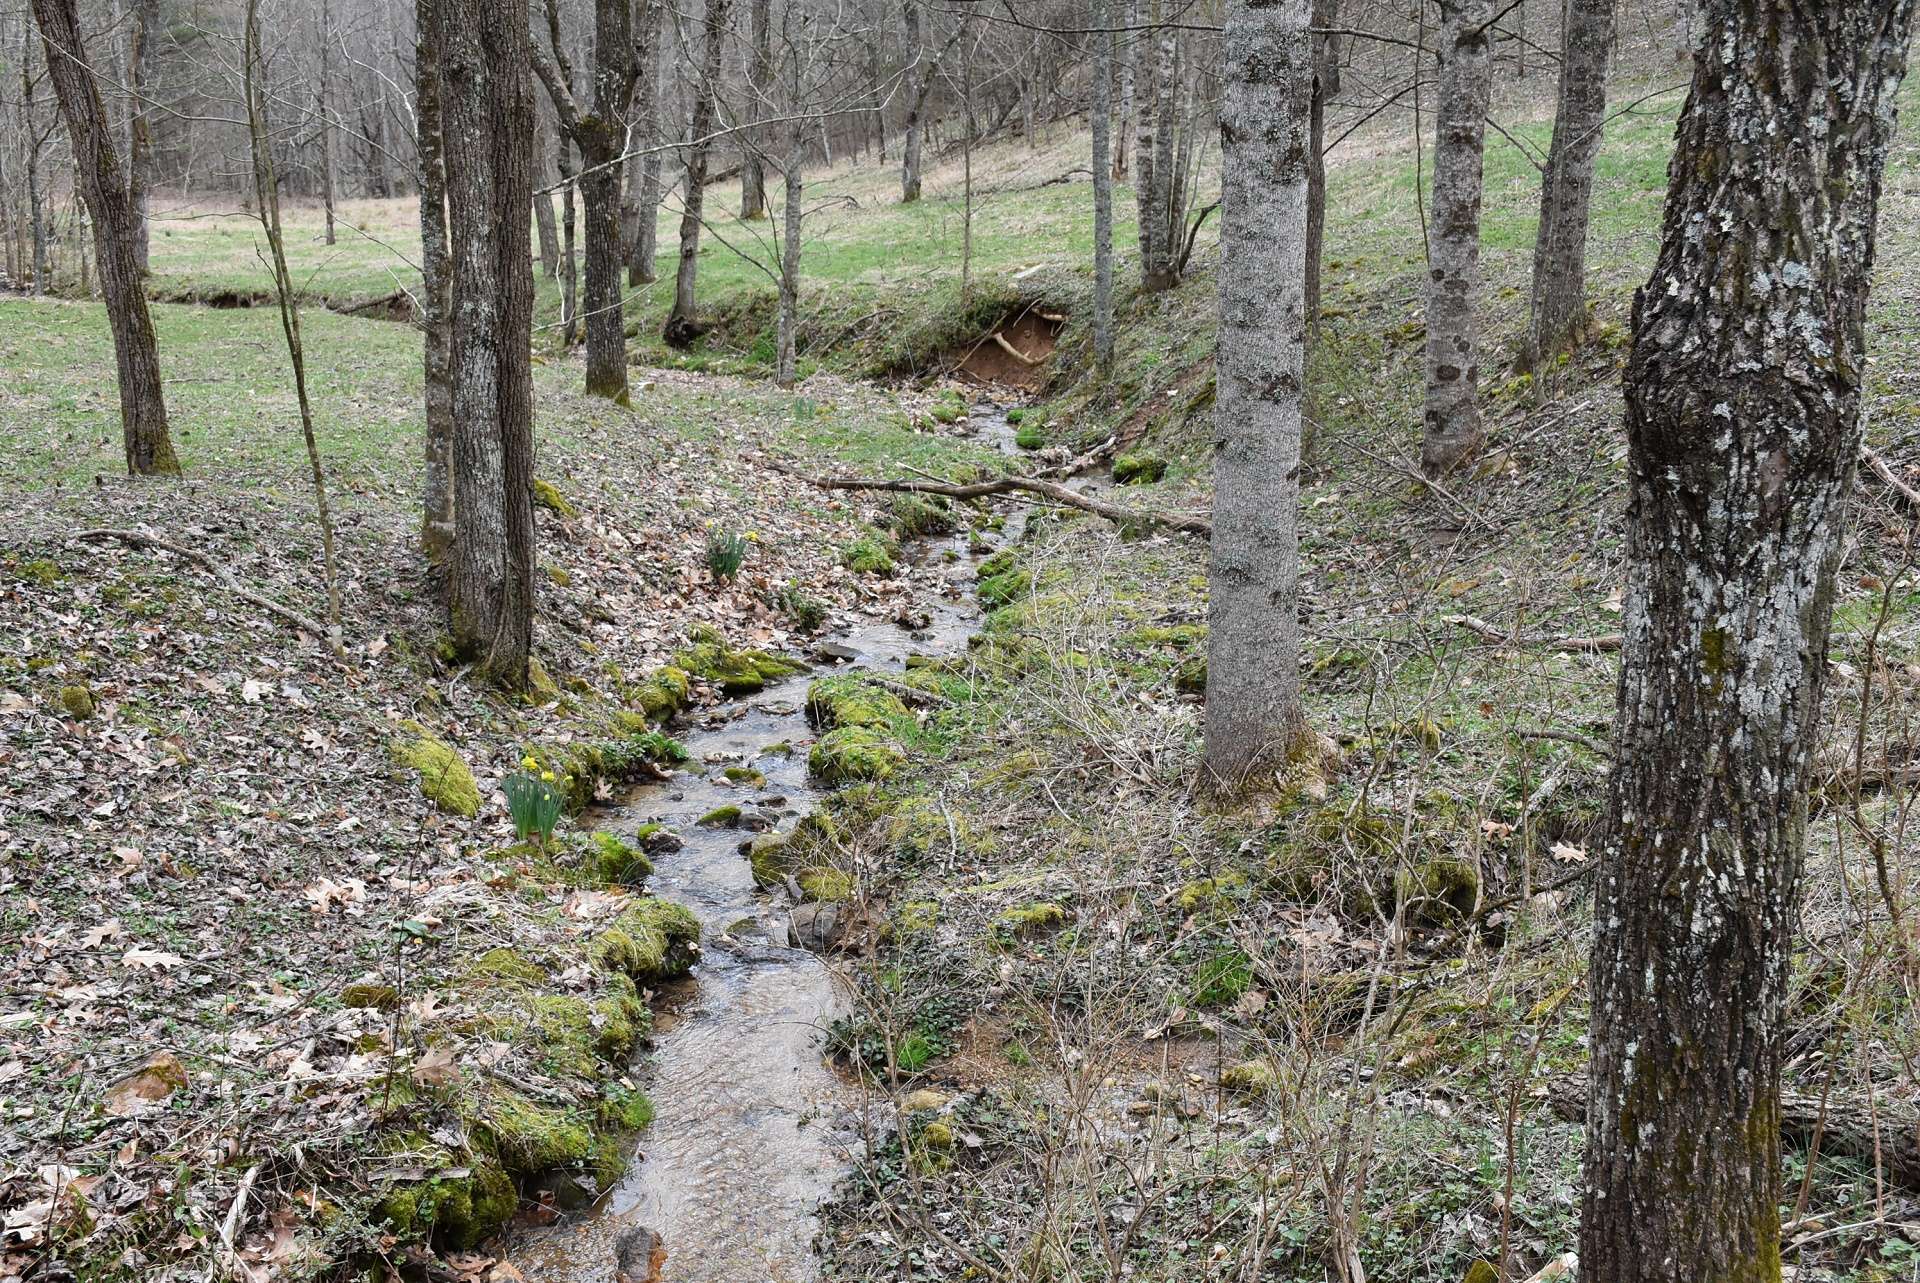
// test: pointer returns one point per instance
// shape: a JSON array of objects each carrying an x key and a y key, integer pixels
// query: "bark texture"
[
  {"x": 487, "y": 115},
  {"x": 1453, "y": 429},
  {"x": 1101, "y": 116},
  {"x": 1326, "y": 83},
  {"x": 1254, "y": 720},
  {"x": 646, "y": 111},
  {"x": 1560, "y": 247},
  {"x": 919, "y": 79},
  {"x": 1743, "y": 418},
  {"x": 683, "y": 323},
  {"x": 436, "y": 519},
  {"x": 598, "y": 129},
  {"x": 143, "y": 409}
]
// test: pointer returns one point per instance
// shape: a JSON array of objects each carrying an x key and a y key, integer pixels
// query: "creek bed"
[{"x": 754, "y": 1127}]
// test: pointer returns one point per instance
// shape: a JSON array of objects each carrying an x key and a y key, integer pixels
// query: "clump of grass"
[{"x": 726, "y": 553}]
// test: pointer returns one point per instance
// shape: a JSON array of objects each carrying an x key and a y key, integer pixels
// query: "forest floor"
[{"x": 266, "y": 1004}]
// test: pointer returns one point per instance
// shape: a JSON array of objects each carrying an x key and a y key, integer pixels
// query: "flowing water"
[{"x": 754, "y": 1127}]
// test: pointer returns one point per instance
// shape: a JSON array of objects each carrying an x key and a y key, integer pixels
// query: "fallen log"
[
  {"x": 1052, "y": 491},
  {"x": 1887, "y": 1136}
]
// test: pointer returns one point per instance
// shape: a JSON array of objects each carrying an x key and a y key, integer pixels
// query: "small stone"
[{"x": 817, "y": 926}]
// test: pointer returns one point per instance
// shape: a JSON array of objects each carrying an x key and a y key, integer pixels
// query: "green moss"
[
  {"x": 654, "y": 940},
  {"x": 662, "y": 694},
  {"x": 1190, "y": 678},
  {"x": 1481, "y": 1272},
  {"x": 1253, "y": 1077},
  {"x": 720, "y": 817},
  {"x": 854, "y": 753},
  {"x": 457, "y": 1211},
  {"x": 529, "y": 1136},
  {"x": 937, "y": 1135},
  {"x": 825, "y": 884},
  {"x": 78, "y": 701},
  {"x": 616, "y": 863},
  {"x": 735, "y": 672},
  {"x": 846, "y": 699},
  {"x": 1031, "y": 436},
  {"x": 445, "y": 778},
  {"x": 1004, "y": 587},
  {"x": 371, "y": 996},
  {"x": 767, "y": 855},
  {"x": 1207, "y": 893},
  {"x": 1439, "y": 889},
  {"x": 1138, "y": 469},
  {"x": 868, "y": 555},
  {"x": 917, "y": 915},
  {"x": 546, "y": 495},
  {"x": 915, "y": 515},
  {"x": 507, "y": 964},
  {"x": 1032, "y": 919}
]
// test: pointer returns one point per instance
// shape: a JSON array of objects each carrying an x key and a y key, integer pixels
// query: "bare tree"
[
  {"x": 1453, "y": 429},
  {"x": 143, "y": 408},
  {"x": 485, "y": 63},
  {"x": 1743, "y": 420},
  {"x": 683, "y": 325},
  {"x": 1326, "y": 83},
  {"x": 1101, "y": 119},
  {"x": 266, "y": 195},
  {"x": 1254, "y": 720},
  {"x": 600, "y": 133},
  {"x": 323, "y": 121},
  {"x": 143, "y": 39},
  {"x": 641, "y": 247},
  {"x": 753, "y": 173},
  {"x": 1560, "y": 248}
]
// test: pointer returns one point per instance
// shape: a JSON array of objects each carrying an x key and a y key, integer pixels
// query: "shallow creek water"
[{"x": 754, "y": 1127}]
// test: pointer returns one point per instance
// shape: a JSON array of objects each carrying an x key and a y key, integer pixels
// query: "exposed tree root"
[
  {"x": 140, "y": 539},
  {"x": 1052, "y": 491}
]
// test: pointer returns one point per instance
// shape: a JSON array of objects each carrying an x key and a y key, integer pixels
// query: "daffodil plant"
[{"x": 534, "y": 800}]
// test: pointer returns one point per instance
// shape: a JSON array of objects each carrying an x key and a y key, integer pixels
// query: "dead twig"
[
  {"x": 1909, "y": 497},
  {"x": 1552, "y": 641},
  {"x": 140, "y": 539}
]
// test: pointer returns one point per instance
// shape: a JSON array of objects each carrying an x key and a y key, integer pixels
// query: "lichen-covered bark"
[
  {"x": 436, "y": 521},
  {"x": 1253, "y": 719},
  {"x": 143, "y": 409},
  {"x": 646, "y": 111},
  {"x": 141, "y": 59},
  {"x": 753, "y": 173},
  {"x": 1452, "y": 422},
  {"x": 1566, "y": 190},
  {"x": 487, "y": 129},
  {"x": 1164, "y": 213},
  {"x": 683, "y": 324},
  {"x": 1743, "y": 417},
  {"x": 919, "y": 80}
]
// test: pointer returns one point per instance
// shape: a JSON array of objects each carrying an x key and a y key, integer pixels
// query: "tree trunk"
[
  {"x": 1125, "y": 123},
  {"x": 145, "y": 38},
  {"x": 1157, "y": 269},
  {"x": 1101, "y": 115},
  {"x": 919, "y": 77},
  {"x": 569, "y": 261},
  {"x": 1560, "y": 248},
  {"x": 640, "y": 252},
  {"x": 1145, "y": 96},
  {"x": 437, "y": 520},
  {"x": 753, "y": 173},
  {"x": 549, "y": 233},
  {"x": 1743, "y": 420},
  {"x": 143, "y": 409},
  {"x": 786, "y": 364},
  {"x": 487, "y": 110},
  {"x": 324, "y": 122},
  {"x": 36, "y": 195},
  {"x": 1453, "y": 431},
  {"x": 1254, "y": 722},
  {"x": 1326, "y": 83},
  {"x": 683, "y": 325}
]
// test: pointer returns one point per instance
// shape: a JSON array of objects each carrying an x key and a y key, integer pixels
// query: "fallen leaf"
[{"x": 159, "y": 1078}]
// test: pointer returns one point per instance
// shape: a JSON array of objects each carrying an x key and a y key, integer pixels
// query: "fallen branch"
[
  {"x": 384, "y": 301},
  {"x": 1480, "y": 627},
  {"x": 140, "y": 539},
  {"x": 1014, "y": 352},
  {"x": 1908, "y": 495},
  {"x": 1049, "y": 490},
  {"x": 1587, "y": 742}
]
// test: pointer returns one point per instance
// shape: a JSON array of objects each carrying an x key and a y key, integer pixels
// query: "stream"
[{"x": 754, "y": 1127}]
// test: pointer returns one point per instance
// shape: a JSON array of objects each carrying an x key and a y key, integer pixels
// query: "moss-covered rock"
[
  {"x": 825, "y": 884},
  {"x": 1251, "y": 1077},
  {"x": 616, "y": 862},
  {"x": 735, "y": 672},
  {"x": 445, "y": 778},
  {"x": 652, "y": 941},
  {"x": 464, "y": 1198},
  {"x": 1139, "y": 468},
  {"x": 720, "y": 817},
  {"x": 541, "y": 687},
  {"x": 846, "y": 699},
  {"x": 1031, "y": 436},
  {"x": 530, "y": 1136},
  {"x": 854, "y": 753},
  {"x": 662, "y": 694},
  {"x": 78, "y": 701},
  {"x": 868, "y": 555},
  {"x": 769, "y": 859},
  {"x": 547, "y": 495}
]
